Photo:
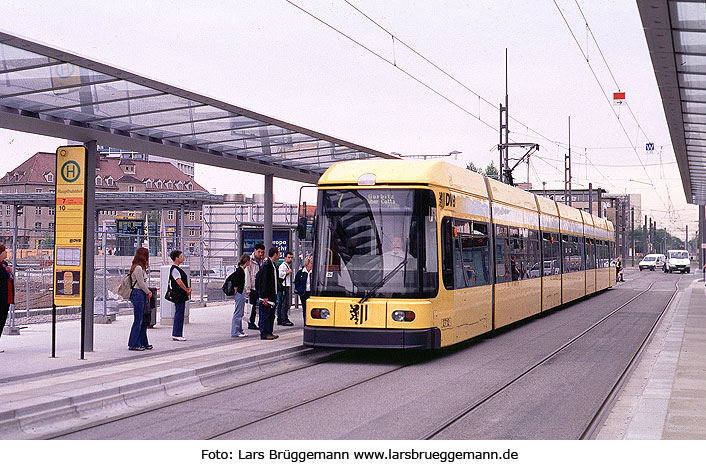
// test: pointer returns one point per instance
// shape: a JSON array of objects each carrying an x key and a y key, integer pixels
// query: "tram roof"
[
  {"x": 432, "y": 172},
  {"x": 48, "y": 91},
  {"x": 676, "y": 33},
  {"x": 547, "y": 206},
  {"x": 570, "y": 213}
]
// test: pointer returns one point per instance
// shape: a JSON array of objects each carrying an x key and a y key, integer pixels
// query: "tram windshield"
[{"x": 376, "y": 242}]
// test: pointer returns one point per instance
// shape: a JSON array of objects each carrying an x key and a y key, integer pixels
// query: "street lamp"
[{"x": 453, "y": 153}]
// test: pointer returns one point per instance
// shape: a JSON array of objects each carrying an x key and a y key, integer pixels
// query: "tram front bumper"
[{"x": 419, "y": 339}]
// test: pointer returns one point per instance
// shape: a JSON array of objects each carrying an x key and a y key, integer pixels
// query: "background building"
[{"x": 115, "y": 172}]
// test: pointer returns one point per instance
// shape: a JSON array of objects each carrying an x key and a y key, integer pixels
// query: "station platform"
[
  {"x": 661, "y": 399},
  {"x": 41, "y": 393}
]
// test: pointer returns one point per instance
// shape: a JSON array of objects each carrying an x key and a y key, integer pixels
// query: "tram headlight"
[
  {"x": 403, "y": 316},
  {"x": 317, "y": 313}
]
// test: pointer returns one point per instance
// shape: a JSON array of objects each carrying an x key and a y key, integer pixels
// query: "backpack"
[
  {"x": 299, "y": 283},
  {"x": 228, "y": 286},
  {"x": 125, "y": 287}
]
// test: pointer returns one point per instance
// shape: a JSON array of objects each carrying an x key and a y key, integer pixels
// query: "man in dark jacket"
[{"x": 267, "y": 291}]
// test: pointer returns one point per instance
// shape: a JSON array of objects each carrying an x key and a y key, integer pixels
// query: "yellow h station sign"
[{"x": 70, "y": 226}]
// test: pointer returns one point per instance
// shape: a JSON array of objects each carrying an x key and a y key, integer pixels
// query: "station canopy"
[
  {"x": 676, "y": 38},
  {"x": 50, "y": 92}
]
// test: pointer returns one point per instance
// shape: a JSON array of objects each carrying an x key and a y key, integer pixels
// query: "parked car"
[
  {"x": 677, "y": 260},
  {"x": 652, "y": 261}
]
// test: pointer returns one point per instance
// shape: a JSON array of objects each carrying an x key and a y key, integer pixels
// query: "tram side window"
[
  {"x": 465, "y": 253},
  {"x": 573, "y": 253},
  {"x": 590, "y": 254},
  {"x": 551, "y": 248},
  {"x": 475, "y": 252},
  {"x": 582, "y": 252},
  {"x": 534, "y": 262},
  {"x": 516, "y": 252},
  {"x": 603, "y": 256},
  {"x": 447, "y": 253}
]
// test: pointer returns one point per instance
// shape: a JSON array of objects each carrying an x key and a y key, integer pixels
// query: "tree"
[
  {"x": 471, "y": 166},
  {"x": 492, "y": 172}
]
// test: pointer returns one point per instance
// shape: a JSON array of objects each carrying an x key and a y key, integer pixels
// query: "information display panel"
[{"x": 69, "y": 225}]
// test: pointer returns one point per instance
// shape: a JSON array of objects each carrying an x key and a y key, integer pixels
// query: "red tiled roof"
[
  {"x": 42, "y": 163},
  {"x": 127, "y": 179}
]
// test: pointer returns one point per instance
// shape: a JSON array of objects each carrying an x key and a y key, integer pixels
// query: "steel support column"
[
  {"x": 90, "y": 245},
  {"x": 268, "y": 211},
  {"x": 702, "y": 229},
  {"x": 632, "y": 236}
]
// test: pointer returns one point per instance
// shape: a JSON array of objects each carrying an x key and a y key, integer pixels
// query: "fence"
[{"x": 210, "y": 261}]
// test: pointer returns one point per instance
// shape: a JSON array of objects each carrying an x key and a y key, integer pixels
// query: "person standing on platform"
[
  {"x": 619, "y": 270},
  {"x": 256, "y": 261},
  {"x": 302, "y": 283},
  {"x": 139, "y": 297},
  {"x": 236, "y": 328},
  {"x": 267, "y": 290},
  {"x": 179, "y": 282},
  {"x": 7, "y": 289},
  {"x": 285, "y": 276}
]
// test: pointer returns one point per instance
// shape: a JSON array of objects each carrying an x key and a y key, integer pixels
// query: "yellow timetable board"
[{"x": 70, "y": 225}]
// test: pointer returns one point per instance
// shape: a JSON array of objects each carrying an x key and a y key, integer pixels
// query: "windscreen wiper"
[{"x": 383, "y": 281}]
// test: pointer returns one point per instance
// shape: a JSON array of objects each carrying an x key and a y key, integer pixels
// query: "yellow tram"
[{"x": 424, "y": 254}]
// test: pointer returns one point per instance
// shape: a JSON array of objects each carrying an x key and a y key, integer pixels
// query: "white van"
[
  {"x": 677, "y": 260},
  {"x": 652, "y": 261}
]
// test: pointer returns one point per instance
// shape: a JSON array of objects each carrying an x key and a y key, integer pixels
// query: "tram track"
[
  {"x": 598, "y": 415},
  {"x": 607, "y": 403},
  {"x": 339, "y": 355}
]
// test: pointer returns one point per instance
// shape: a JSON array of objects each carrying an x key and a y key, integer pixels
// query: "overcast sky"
[{"x": 273, "y": 58}]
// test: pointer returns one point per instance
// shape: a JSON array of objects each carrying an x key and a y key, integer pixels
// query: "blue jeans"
[
  {"x": 236, "y": 326},
  {"x": 138, "y": 331},
  {"x": 267, "y": 320},
  {"x": 283, "y": 305},
  {"x": 178, "y": 327}
]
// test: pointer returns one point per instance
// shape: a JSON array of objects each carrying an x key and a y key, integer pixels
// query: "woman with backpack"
[
  {"x": 238, "y": 283},
  {"x": 139, "y": 297}
]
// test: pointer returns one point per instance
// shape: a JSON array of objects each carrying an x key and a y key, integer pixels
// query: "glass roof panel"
[
  {"x": 250, "y": 133},
  {"x": 14, "y": 58},
  {"x": 694, "y": 135},
  {"x": 691, "y": 63},
  {"x": 694, "y": 118},
  {"x": 687, "y": 15},
  {"x": 692, "y": 80},
  {"x": 693, "y": 107},
  {"x": 59, "y": 79},
  {"x": 689, "y": 41},
  {"x": 165, "y": 119},
  {"x": 695, "y": 127},
  {"x": 693, "y": 94}
]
